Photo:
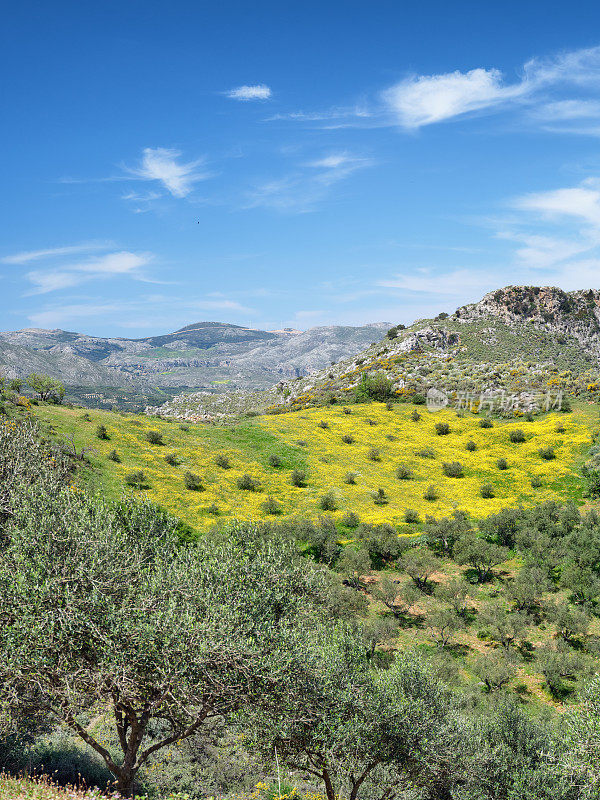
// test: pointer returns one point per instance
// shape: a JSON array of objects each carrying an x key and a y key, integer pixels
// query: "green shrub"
[
  {"x": 471, "y": 446},
  {"x": 389, "y": 405},
  {"x": 323, "y": 424},
  {"x": 346, "y": 410},
  {"x": 560, "y": 428},
  {"x": 192, "y": 482},
  {"x": 213, "y": 509},
  {"x": 271, "y": 506},
  {"x": 154, "y": 437},
  {"x": 486, "y": 423},
  {"x": 221, "y": 460},
  {"x": 328, "y": 502},
  {"x": 374, "y": 387},
  {"x": 102, "y": 433},
  {"x": 172, "y": 459},
  {"x": 86, "y": 417},
  {"x": 487, "y": 491},
  {"x": 547, "y": 453},
  {"x": 410, "y": 515},
  {"x": 350, "y": 519},
  {"x": 350, "y": 478},
  {"x": 374, "y": 454},
  {"x": 114, "y": 456},
  {"x": 419, "y": 399},
  {"x": 184, "y": 427},
  {"x": 274, "y": 460},
  {"x": 536, "y": 482},
  {"x": 431, "y": 493},
  {"x": 529, "y": 416},
  {"x": 502, "y": 463},
  {"x": 442, "y": 428},
  {"x": 517, "y": 436},
  {"x": 248, "y": 483},
  {"x": 370, "y": 421},
  {"x": 380, "y": 498},
  {"x": 425, "y": 452},
  {"x": 137, "y": 479},
  {"x": 348, "y": 438},
  {"x": 298, "y": 478},
  {"x": 403, "y": 473},
  {"x": 415, "y": 416},
  {"x": 453, "y": 469}
]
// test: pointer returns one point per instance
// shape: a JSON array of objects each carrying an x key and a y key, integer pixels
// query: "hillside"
[
  {"x": 205, "y": 355},
  {"x": 349, "y": 456}
]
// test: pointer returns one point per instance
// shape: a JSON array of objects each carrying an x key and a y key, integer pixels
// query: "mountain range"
[
  {"x": 204, "y": 355},
  {"x": 518, "y": 339}
]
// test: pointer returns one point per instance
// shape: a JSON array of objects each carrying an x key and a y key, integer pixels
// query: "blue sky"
[{"x": 292, "y": 164}]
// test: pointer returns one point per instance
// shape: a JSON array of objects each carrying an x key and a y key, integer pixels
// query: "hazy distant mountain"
[{"x": 210, "y": 355}]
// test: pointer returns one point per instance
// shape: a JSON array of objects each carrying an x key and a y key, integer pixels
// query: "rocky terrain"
[
  {"x": 206, "y": 355},
  {"x": 518, "y": 339}
]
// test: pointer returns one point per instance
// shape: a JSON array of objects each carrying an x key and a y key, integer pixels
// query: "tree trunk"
[
  {"x": 124, "y": 784},
  {"x": 329, "y": 791}
]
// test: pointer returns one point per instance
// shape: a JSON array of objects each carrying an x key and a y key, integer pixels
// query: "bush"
[
  {"x": 248, "y": 483},
  {"x": 389, "y": 405},
  {"x": 192, "y": 482},
  {"x": 350, "y": 519},
  {"x": 374, "y": 454},
  {"x": 370, "y": 421},
  {"x": 298, "y": 478},
  {"x": 374, "y": 387},
  {"x": 102, "y": 433},
  {"x": 453, "y": 469},
  {"x": 425, "y": 452},
  {"x": 137, "y": 479},
  {"x": 328, "y": 502},
  {"x": 529, "y": 416},
  {"x": 404, "y": 473},
  {"x": 323, "y": 424},
  {"x": 431, "y": 493},
  {"x": 172, "y": 459},
  {"x": 502, "y": 463},
  {"x": 274, "y": 461},
  {"x": 410, "y": 515},
  {"x": 380, "y": 498},
  {"x": 547, "y": 453},
  {"x": 487, "y": 491},
  {"x": 114, "y": 456},
  {"x": 271, "y": 506},
  {"x": 213, "y": 509},
  {"x": 560, "y": 428},
  {"x": 350, "y": 478},
  {"x": 419, "y": 399},
  {"x": 346, "y": 410},
  {"x": 184, "y": 427},
  {"x": 517, "y": 436},
  {"x": 486, "y": 423},
  {"x": 348, "y": 438},
  {"x": 154, "y": 437},
  {"x": 415, "y": 416},
  {"x": 222, "y": 461},
  {"x": 471, "y": 446},
  {"x": 536, "y": 482},
  {"x": 442, "y": 428}
]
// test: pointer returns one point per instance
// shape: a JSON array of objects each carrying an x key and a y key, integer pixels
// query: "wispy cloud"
[
  {"x": 258, "y": 91},
  {"x": 553, "y": 91},
  {"x": 164, "y": 165},
  {"x": 303, "y": 189},
  {"x": 27, "y": 256},
  {"x": 69, "y": 275}
]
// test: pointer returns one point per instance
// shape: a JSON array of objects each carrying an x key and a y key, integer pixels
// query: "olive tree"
[
  {"x": 46, "y": 387},
  {"x": 105, "y": 608}
]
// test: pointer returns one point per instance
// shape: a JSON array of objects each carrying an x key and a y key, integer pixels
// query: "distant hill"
[
  {"x": 515, "y": 339},
  {"x": 205, "y": 355}
]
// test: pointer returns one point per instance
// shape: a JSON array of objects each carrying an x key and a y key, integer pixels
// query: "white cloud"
[
  {"x": 546, "y": 87},
  {"x": 302, "y": 190},
  {"x": 581, "y": 203},
  {"x": 68, "y": 275},
  {"x": 425, "y": 99},
  {"x": 162, "y": 164},
  {"x": 259, "y": 91},
  {"x": 456, "y": 283},
  {"x": 26, "y": 256}
]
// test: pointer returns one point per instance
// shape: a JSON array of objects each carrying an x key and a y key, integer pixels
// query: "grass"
[
  {"x": 12, "y": 788},
  {"x": 254, "y": 445}
]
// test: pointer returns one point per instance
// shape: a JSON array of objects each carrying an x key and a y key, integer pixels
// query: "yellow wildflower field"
[{"x": 378, "y": 441}]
